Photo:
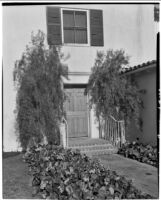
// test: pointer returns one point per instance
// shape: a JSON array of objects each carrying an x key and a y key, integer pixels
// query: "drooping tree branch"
[
  {"x": 111, "y": 93},
  {"x": 40, "y": 97}
]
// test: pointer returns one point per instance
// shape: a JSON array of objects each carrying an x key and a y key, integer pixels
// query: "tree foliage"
[
  {"x": 111, "y": 92},
  {"x": 40, "y": 97}
]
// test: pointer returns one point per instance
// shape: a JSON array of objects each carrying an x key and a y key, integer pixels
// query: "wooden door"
[{"x": 76, "y": 110}]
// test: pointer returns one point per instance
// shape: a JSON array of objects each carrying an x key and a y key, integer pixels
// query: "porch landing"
[{"x": 92, "y": 146}]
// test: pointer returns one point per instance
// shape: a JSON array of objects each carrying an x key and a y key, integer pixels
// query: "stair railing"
[
  {"x": 64, "y": 133},
  {"x": 114, "y": 131}
]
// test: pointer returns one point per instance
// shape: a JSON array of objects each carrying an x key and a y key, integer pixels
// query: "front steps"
[{"x": 91, "y": 146}]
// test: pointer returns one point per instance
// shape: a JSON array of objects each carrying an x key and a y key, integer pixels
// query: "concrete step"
[
  {"x": 93, "y": 146},
  {"x": 84, "y": 141}
]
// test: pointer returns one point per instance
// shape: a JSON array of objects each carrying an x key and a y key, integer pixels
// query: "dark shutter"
[
  {"x": 53, "y": 26},
  {"x": 156, "y": 12},
  {"x": 96, "y": 27}
]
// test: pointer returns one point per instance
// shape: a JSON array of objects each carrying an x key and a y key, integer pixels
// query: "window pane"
[
  {"x": 81, "y": 36},
  {"x": 68, "y": 18},
  {"x": 68, "y": 36},
  {"x": 80, "y": 19}
]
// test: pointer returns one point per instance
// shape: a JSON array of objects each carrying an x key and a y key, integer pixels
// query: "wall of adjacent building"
[
  {"x": 130, "y": 27},
  {"x": 146, "y": 81}
]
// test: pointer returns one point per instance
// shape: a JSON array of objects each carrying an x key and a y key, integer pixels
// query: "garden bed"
[
  {"x": 68, "y": 175},
  {"x": 142, "y": 153}
]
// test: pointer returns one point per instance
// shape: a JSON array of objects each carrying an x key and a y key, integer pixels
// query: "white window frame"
[{"x": 88, "y": 27}]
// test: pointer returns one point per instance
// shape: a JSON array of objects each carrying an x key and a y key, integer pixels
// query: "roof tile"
[{"x": 130, "y": 69}]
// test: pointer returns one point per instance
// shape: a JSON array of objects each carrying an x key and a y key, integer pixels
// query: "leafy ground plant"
[
  {"x": 142, "y": 153},
  {"x": 68, "y": 175}
]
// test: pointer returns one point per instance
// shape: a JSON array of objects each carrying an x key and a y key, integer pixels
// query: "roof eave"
[{"x": 139, "y": 69}]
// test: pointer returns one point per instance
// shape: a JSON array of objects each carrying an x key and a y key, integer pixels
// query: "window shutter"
[
  {"x": 156, "y": 12},
  {"x": 54, "y": 26},
  {"x": 96, "y": 28}
]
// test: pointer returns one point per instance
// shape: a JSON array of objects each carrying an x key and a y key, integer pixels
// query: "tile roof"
[{"x": 141, "y": 66}]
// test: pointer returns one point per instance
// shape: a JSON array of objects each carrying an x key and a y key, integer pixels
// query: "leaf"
[
  {"x": 92, "y": 171},
  {"x": 102, "y": 192},
  {"x": 111, "y": 189},
  {"x": 36, "y": 181},
  {"x": 66, "y": 181},
  {"x": 71, "y": 170},
  {"x": 61, "y": 188},
  {"x": 136, "y": 153},
  {"x": 43, "y": 185},
  {"x": 94, "y": 176},
  {"x": 69, "y": 189},
  {"x": 107, "y": 180},
  {"x": 65, "y": 164},
  {"x": 117, "y": 178},
  {"x": 85, "y": 178}
]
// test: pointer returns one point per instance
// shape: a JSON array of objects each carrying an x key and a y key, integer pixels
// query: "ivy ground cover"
[
  {"x": 142, "y": 153},
  {"x": 66, "y": 174}
]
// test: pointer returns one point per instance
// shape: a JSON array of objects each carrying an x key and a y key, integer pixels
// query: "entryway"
[{"x": 77, "y": 112}]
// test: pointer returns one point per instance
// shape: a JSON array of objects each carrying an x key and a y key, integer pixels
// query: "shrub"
[
  {"x": 38, "y": 76},
  {"x": 68, "y": 175},
  {"x": 142, "y": 153},
  {"x": 114, "y": 93}
]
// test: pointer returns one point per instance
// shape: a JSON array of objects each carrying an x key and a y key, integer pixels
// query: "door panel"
[{"x": 76, "y": 109}]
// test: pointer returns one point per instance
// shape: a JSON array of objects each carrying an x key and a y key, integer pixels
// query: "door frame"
[{"x": 70, "y": 86}]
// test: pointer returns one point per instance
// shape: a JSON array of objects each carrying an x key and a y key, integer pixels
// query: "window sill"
[{"x": 76, "y": 45}]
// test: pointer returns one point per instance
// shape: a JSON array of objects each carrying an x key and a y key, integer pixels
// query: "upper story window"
[{"x": 75, "y": 27}]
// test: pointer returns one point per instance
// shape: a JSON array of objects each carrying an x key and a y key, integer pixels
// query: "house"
[
  {"x": 81, "y": 30},
  {"x": 145, "y": 76}
]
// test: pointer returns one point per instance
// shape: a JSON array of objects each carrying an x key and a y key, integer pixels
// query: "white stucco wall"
[{"x": 130, "y": 27}]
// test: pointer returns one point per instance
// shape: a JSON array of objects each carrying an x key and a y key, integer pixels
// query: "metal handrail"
[
  {"x": 115, "y": 119},
  {"x": 114, "y": 131},
  {"x": 66, "y": 131}
]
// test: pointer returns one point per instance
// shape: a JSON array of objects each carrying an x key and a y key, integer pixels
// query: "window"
[{"x": 75, "y": 26}]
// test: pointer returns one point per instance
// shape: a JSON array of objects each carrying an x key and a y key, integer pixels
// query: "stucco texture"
[{"x": 146, "y": 80}]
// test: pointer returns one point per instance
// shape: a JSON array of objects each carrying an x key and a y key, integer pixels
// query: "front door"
[{"x": 76, "y": 110}]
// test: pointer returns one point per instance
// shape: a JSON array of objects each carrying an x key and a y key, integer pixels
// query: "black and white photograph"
[{"x": 80, "y": 100}]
